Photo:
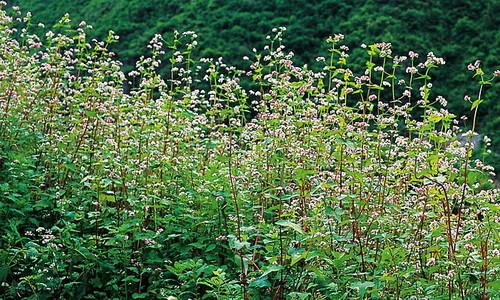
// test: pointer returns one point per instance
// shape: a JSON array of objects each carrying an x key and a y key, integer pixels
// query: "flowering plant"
[{"x": 217, "y": 183}]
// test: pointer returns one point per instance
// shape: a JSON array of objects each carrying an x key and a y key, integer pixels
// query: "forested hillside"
[{"x": 460, "y": 31}]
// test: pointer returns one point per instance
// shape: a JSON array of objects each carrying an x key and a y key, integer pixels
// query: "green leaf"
[
  {"x": 298, "y": 257},
  {"x": 140, "y": 295},
  {"x": 90, "y": 113},
  {"x": 271, "y": 269},
  {"x": 260, "y": 282},
  {"x": 362, "y": 287},
  {"x": 4, "y": 272},
  {"x": 426, "y": 77},
  {"x": 210, "y": 247},
  {"x": 476, "y": 103},
  {"x": 300, "y": 296},
  {"x": 234, "y": 243},
  {"x": 290, "y": 224},
  {"x": 335, "y": 212}
]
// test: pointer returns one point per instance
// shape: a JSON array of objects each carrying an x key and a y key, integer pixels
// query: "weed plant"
[{"x": 307, "y": 184}]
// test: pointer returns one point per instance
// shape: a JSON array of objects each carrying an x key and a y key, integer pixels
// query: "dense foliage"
[
  {"x": 316, "y": 183},
  {"x": 459, "y": 31}
]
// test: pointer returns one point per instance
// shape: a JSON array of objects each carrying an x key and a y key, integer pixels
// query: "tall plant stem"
[{"x": 238, "y": 216}]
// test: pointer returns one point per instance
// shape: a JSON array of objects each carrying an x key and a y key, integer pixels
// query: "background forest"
[{"x": 459, "y": 31}]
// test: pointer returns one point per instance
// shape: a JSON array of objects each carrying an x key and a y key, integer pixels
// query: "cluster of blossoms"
[{"x": 474, "y": 66}]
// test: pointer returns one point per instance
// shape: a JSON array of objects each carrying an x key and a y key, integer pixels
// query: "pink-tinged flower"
[
  {"x": 475, "y": 66},
  {"x": 361, "y": 124},
  {"x": 412, "y": 54},
  {"x": 338, "y": 37},
  {"x": 399, "y": 59},
  {"x": 431, "y": 261},
  {"x": 433, "y": 59},
  {"x": 149, "y": 242},
  {"x": 496, "y": 73},
  {"x": 442, "y": 100},
  {"x": 411, "y": 70},
  {"x": 407, "y": 93}
]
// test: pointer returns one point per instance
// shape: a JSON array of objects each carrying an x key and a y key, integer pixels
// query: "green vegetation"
[
  {"x": 460, "y": 31},
  {"x": 343, "y": 179}
]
